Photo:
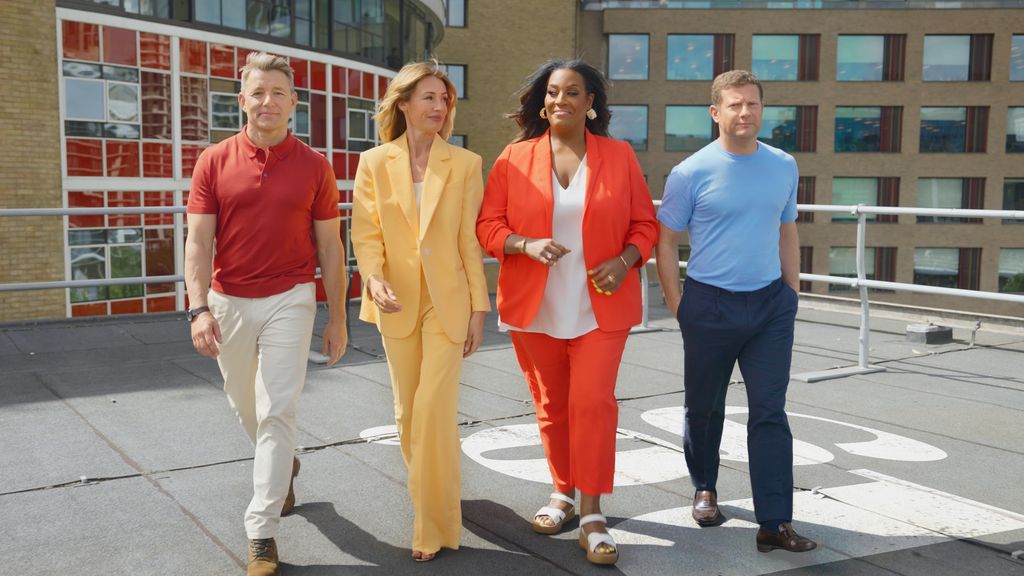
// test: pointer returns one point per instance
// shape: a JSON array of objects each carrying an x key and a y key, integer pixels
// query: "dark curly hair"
[{"x": 531, "y": 98}]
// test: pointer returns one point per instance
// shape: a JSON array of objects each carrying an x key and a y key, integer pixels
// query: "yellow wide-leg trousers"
[{"x": 425, "y": 369}]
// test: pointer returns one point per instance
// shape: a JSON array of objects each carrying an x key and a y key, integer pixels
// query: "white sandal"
[
  {"x": 590, "y": 541},
  {"x": 557, "y": 515}
]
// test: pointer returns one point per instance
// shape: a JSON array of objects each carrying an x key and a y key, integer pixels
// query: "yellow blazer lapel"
[
  {"x": 541, "y": 176},
  {"x": 594, "y": 161},
  {"x": 438, "y": 167},
  {"x": 400, "y": 176}
]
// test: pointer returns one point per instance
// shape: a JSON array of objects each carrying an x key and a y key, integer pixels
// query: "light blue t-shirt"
[{"x": 732, "y": 205}]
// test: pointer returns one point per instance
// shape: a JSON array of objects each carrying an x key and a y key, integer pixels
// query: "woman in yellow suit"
[{"x": 414, "y": 234}]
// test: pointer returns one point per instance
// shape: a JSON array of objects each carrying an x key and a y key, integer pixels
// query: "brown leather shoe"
[
  {"x": 784, "y": 539},
  {"x": 705, "y": 509},
  {"x": 289, "y": 501},
  {"x": 263, "y": 558}
]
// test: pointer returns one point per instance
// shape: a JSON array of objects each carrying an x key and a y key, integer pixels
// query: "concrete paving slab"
[
  {"x": 74, "y": 336},
  {"x": 7, "y": 347}
]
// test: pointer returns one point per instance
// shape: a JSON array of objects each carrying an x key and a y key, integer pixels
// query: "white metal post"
[{"x": 865, "y": 313}]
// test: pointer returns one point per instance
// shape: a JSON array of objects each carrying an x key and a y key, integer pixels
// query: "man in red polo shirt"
[{"x": 271, "y": 203}]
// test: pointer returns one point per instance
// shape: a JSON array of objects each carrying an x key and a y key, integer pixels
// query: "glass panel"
[
  {"x": 939, "y": 193},
  {"x": 304, "y": 9},
  {"x": 225, "y": 111},
  {"x": 687, "y": 128},
  {"x": 1015, "y": 129},
  {"x": 345, "y": 11},
  {"x": 690, "y": 57},
  {"x": 776, "y": 57},
  {"x": 88, "y": 264},
  {"x": 946, "y": 58},
  {"x": 456, "y": 13},
  {"x": 842, "y": 262},
  {"x": 457, "y": 140},
  {"x": 1017, "y": 58},
  {"x": 81, "y": 70},
  {"x": 302, "y": 32},
  {"x": 85, "y": 237},
  {"x": 1013, "y": 197},
  {"x": 122, "y": 74},
  {"x": 850, "y": 191},
  {"x": 126, "y": 131},
  {"x": 943, "y": 129},
  {"x": 83, "y": 99},
  {"x": 122, "y": 102},
  {"x": 156, "y": 105},
  {"x": 627, "y": 56},
  {"x": 280, "y": 20},
  {"x": 457, "y": 74},
  {"x": 194, "y": 113},
  {"x": 357, "y": 124},
  {"x": 126, "y": 262},
  {"x": 233, "y": 15},
  {"x": 778, "y": 127},
  {"x": 1011, "y": 270},
  {"x": 208, "y": 11},
  {"x": 937, "y": 266},
  {"x": 300, "y": 120},
  {"x": 124, "y": 236},
  {"x": 258, "y": 17},
  {"x": 86, "y": 129},
  {"x": 858, "y": 129},
  {"x": 629, "y": 123},
  {"x": 860, "y": 58}
]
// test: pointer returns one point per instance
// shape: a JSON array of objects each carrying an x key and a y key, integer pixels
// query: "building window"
[
  {"x": 455, "y": 13},
  {"x": 805, "y": 195},
  {"x": 629, "y": 123},
  {"x": 457, "y": 74},
  {"x": 957, "y": 193},
  {"x": 948, "y": 267},
  {"x": 868, "y": 128},
  {"x": 806, "y": 266},
  {"x": 361, "y": 127},
  {"x": 957, "y": 58},
  {"x": 627, "y": 56},
  {"x": 1017, "y": 58},
  {"x": 1011, "y": 270},
  {"x": 960, "y": 129},
  {"x": 866, "y": 191},
  {"x": 879, "y": 264},
  {"x": 791, "y": 128},
  {"x": 862, "y": 58},
  {"x": 688, "y": 128},
  {"x": 457, "y": 140},
  {"x": 357, "y": 28},
  {"x": 1015, "y": 129},
  {"x": 699, "y": 56},
  {"x": 1013, "y": 197},
  {"x": 778, "y": 57}
]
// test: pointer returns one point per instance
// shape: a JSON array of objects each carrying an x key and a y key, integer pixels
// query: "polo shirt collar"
[{"x": 280, "y": 150}]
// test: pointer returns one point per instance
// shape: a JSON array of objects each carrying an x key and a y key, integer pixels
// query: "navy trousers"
[{"x": 721, "y": 328}]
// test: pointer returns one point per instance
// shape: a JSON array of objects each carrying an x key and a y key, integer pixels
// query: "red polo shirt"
[{"x": 265, "y": 206}]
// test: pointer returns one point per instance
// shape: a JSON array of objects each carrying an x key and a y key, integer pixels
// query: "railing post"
[{"x": 865, "y": 330}]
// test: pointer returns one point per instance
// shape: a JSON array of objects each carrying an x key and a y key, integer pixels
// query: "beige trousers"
[
  {"x": 263, "y": 353},
  {"x": 425, "y": 368}
]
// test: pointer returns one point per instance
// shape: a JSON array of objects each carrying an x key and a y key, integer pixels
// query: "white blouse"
[{"x": 565, "y": 311}]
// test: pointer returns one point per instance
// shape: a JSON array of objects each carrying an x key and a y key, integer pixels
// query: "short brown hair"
[
  {"x": 266, "y": 62},
  {"x": 731, "y": 79}
]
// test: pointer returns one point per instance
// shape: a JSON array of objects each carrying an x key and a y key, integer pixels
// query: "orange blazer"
[{"x": 617, "y": 211}]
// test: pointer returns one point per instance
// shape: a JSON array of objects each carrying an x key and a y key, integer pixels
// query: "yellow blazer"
[{"x": 390, "y": 239}]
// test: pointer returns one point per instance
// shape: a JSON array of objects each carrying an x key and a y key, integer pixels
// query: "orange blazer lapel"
[
  {"x": 540, "y": 177},
  {"x": 594, "y": 162}
]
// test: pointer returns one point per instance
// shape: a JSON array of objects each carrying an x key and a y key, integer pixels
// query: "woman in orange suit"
[
  {"x": 567, "y": 213},
  {"x": 416, "y": 200}
]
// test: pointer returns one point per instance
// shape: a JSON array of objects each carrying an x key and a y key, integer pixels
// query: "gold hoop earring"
[
  {"x": 592, "y": 114},
  {"x": 544, "y": 113}
]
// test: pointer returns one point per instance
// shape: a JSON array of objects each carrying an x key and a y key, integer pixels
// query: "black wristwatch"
[{"x": 191, "y": 313}]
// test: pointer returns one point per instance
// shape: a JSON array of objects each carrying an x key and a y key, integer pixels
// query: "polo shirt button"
[{"x": 264, "y": 174}]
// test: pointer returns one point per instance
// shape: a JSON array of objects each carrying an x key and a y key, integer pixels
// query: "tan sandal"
[
  {"x": 591, "y": 541},
  {"x": 558, "y": 516}
]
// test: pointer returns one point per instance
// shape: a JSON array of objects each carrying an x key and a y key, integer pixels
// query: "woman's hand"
[
  {"x": 545, "y": 250},
  {"x": 475, "y": 334},
  {"x": 607, "y": 276},
  {"x": 382, "y": 295}
]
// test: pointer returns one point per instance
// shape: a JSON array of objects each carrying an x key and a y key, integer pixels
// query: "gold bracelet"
[
  {"x": 522, "y": 245},
  {"x": 624, "y": 262}
]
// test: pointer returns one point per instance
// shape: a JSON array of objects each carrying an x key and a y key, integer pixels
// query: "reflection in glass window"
[
  {"x": 779, "y": 127},
  {"x": 208, "y": 11},
  {"x": 1015, "y": 129},
  {"x": 125, "y": 262},
  {"x": 937, "y": 267},
  {"x": 232, "y": 13},
  {"x": 842, "y": 262},
  {"x": 776, "y": 57},
  {"x": 300, "y": 119},
  {"x": 1011, "y": 270},
  {"x": 123, "y": 102},
  {"x": 858, "y": 129},
  {"x": 690, "y": 57},
  {"x": 851, "y": 191},
  {"x": 940, "y": 193},
  {"x": 224, "y": 111},
  {"x": 687, "y": 128},
  {"x": 629, "y": 123},
  {"x": 946, "y": 58},
  {"x": 457, "y": 140},
  {"x": 860, "y": 58},
  {"x": 943, "y": 129},
  {"x": 455, "y": 15},
  {"x": 1017, "y": 58},
  {"x": 1013, "y": 197},
  {"x": 88, "y": 264},
  {"x": 627, "y": 56},
  {"x": 83, "y": 99}
]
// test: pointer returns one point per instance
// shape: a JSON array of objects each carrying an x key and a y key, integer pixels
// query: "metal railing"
[{"x": 860, "y": 282}]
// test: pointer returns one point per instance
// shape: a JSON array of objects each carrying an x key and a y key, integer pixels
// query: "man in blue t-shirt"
[{"x": 737, "y": 198}]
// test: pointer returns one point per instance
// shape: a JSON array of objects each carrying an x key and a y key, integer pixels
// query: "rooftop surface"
[{"x": 121, "y": 456}]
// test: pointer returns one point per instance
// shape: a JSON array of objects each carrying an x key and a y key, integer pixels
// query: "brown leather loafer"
[
  {"x": 784, "y": 539},
  {"x": 705, "y": 509},
  {"x": 289, "y": 501}
]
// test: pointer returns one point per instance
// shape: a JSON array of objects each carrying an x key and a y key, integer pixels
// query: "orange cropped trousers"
[{"x": 573, "y": 386}]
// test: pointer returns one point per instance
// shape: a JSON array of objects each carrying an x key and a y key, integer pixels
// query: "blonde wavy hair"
[{"x": 390, "y": 119}]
